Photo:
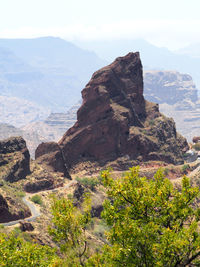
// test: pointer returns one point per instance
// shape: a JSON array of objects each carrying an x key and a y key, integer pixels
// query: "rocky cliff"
[
  {"x": 14, "y": 159},
  {"x": 116, "y": 124},
  {"x": 177, "y": 96},
  {"x": 11, "y": 209},
  {"x": 170, "y": 87}
]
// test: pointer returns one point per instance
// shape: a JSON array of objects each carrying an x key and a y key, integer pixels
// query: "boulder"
[{"x": 26, "y": 226}]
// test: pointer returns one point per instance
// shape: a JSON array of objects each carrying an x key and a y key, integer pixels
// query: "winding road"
[{"x": 35, "y": 212}]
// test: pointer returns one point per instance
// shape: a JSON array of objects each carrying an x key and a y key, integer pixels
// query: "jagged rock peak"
[
  {"x": 120, "y": 83},
  {"x": 116, "y": 122}
]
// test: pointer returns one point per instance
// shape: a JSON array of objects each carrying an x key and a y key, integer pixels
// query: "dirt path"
[{"x": 35, "y": 211}]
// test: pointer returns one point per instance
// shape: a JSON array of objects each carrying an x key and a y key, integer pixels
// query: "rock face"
[
  {"x": 52, "y": 154},
  {"x": 115, "y": 122},
  {"x": 10, "y": 210},
  {"x": 176, "y": 94},
  {"x": 26, "y": 226},
  {"x": 40, "y": 185},
  {"x": 170, "y": 87},
  {"x": 3, "y": 205},
  {"x": 14, "y": 159}
]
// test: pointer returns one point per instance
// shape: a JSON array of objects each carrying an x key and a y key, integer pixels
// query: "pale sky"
[{"x": 170, "y": 23}]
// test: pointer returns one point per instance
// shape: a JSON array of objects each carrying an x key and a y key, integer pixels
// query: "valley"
[{"x": 116, "y": 127}]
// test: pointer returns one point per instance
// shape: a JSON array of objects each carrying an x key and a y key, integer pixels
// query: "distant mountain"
[
  {"x": 170, "y": 87},
  {"x": 192, "y": 50},
  {"x": 18, "y": 112},
  {"x": 176, "y": 94},
  {"x": 48, "y": 71},
  {"x": 32, "y": 139},
  {"x": 153, "y": 57}
]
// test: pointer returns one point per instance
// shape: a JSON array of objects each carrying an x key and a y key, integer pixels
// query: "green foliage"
[
  {"x": 185, "y": 168},
  {"x": 149, "y": 222},
  {"x": 68, "y": 230},
  {"x": 37, "y": 199},
  {"x": 15, "y": 252},
  {"x": 166, "y": 171},
  {"x": 90, "y": 182},
  {"x": 99, "y": 227},
  {"x": 16, "y": 231},
  {"x": 152, "y": 223},
  {"x": 20, "y": 194}
]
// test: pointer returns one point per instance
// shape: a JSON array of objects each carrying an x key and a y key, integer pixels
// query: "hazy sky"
[{"x": 170, "y": 23}]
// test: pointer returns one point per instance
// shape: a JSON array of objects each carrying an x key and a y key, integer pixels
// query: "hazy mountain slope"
[
  {"x": 18, "y": 111},
  {"x": 51, "y": 129},
  {"x": 176, "y": 94},
  {"x": 152, "y": 57},
  {"x": 32, "y": 139},
  {"x": 170, "y": 87},
  {"x": 48, "y": 71},
  {"x": 192, "y": 50}
]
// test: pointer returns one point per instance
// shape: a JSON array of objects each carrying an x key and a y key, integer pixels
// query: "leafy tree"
[
  {"x": 69, "y": 229},
  {"x": 16, "y": 252},
  {"x": 152, "y": 223}
]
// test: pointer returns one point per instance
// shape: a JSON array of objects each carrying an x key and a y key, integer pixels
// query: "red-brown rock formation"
[
  {"x": 115, "y": 122},
  {"x": 196, "y": 139},
  {"x": 10, "y": 210},
  {"x": 14, "y": 159}
]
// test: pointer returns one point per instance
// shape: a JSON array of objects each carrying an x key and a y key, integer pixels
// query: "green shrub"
[
  {"x": 20, "y": 194},
  {"x": 16, "y": 231},
  {"x": 99, "y": 229},
  {"x": 166, "y": 171},
  {"x": 14, "y": 251},
  {"x": 37, "y": 199},
  {"x": 185, "y": 168},
  {"x": 152, "y": 223},
  {"x": 91, "y": 183}
]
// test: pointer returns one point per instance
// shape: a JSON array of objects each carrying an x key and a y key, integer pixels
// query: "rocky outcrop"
[
  {"x": 196, "y": 139},
  {"x": 26, "y": 226},
  {"x": 177, "y": 96},
  {"x": 3, "y": 205},
  {"x": 116, "y": 122},
  {"x": 10, "y": 210},
  {"x": 170, "y": 87},
  {"x": 14, "y": 159},
  {"x": 51, "y": 154},
  {"x": 43, "y": 184}
]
